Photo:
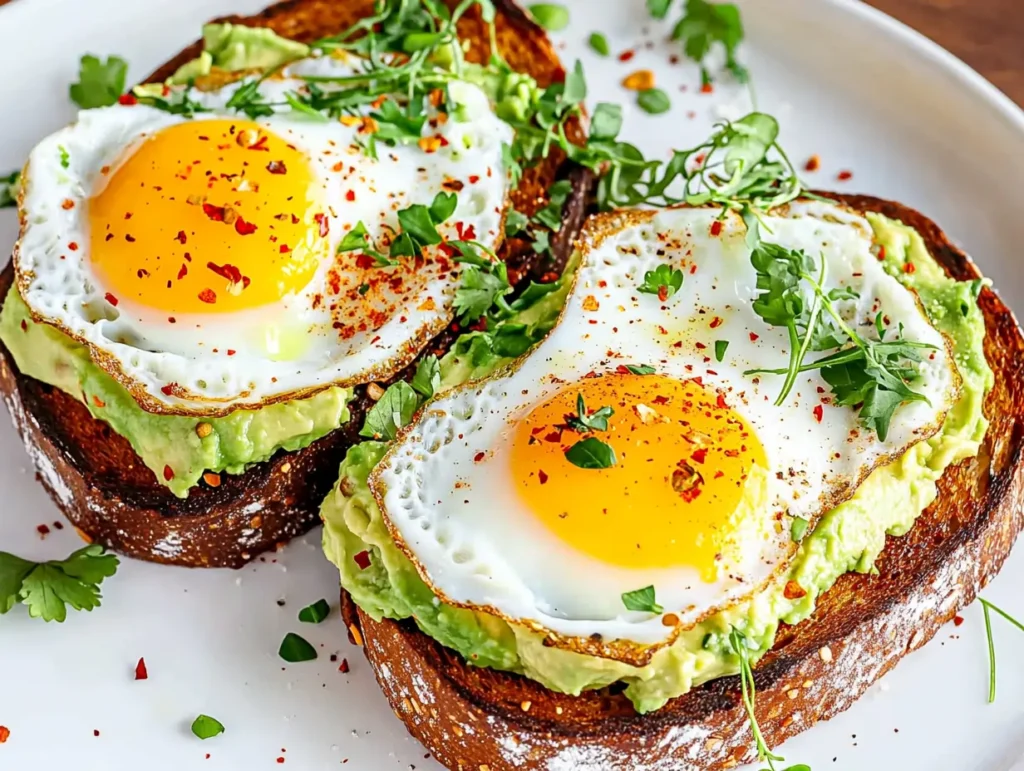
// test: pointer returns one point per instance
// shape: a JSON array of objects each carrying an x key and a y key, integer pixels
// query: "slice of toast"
[
  {"x": 100, "y": 483},
  {"x": 476, "y": 718}
]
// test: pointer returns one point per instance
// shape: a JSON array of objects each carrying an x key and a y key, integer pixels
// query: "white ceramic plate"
[{"x": 909, "y": 121}]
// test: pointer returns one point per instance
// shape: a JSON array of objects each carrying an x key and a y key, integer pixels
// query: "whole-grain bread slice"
[
  {"x": 101, "y": 484},
  {"x": 476, "y": 718}
]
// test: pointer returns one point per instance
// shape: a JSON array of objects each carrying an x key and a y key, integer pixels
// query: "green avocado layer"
[
  {"x": 849, "y": 538},
  {"x": 170, "y": 445}
]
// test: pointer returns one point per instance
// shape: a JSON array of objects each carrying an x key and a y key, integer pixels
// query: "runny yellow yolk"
[
  {"x": 683, "y": 456},
  {"x": 208, "y": 216}
]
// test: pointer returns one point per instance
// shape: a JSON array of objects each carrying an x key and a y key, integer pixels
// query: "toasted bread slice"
[
  {"x": 100, "y": 483},
  {"x": 475, "y": 718}
]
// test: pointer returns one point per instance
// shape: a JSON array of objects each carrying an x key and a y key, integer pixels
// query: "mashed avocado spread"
[{"x": 848, "y": 538}]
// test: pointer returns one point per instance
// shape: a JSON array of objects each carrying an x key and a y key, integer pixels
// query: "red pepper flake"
[
  {"x": 168, "y": 389},
  {"x": 141, "y": 673},
  {"x": 362, "y": 559},
  {"x": 344, "y": 668},
  {"x": 819, "y": 412},
  {"x": 350, "y": 195},
  {"x": 553, "y": 437},
  {"x": 719, "y": 474},
  {"x": 5, "y": 733},
  {"x": 231, "y": 352},
  {"x": 73, "y": 246},
  {"x": 95, "y": 732},
  {"x": 700, "y": 455},
  {"x": 110, "y": 299},
  {"x": 661, "y": 400},
  {"x": 284, "y": 249},
  {"x": 716, "y": 322},
  {"x": 466, "y": 232},
  {"x": 625, "y": 56},
  {"x": 700, "y": 346},
  {"x": 216, "y": 213},
  {"x": 277, "y": 167},
  {"x": 908, "y": 267},
  {"x": 721, "y": 402},
  {"x": 43, "y": 530},
  {"x": 181, "y": 237},
  {"x": 881, "y": 253},
  {"x": 693, "y": 269},
  {"x": 958, "y": 620},
  {"x": 208, "y": 296},
  {"x": 127, "y": 99},
  {"x": 67, "y": 203},
  {"x": 479, "y": 457},
  {"x": 716, "y": 227},
  {"x": 325, "y": 224},
  {"x": 844, "y": 175},
  {"x": 794, "y": 591},
  {"x": 280, "y": 760},
  {"x": 98, "y": 401},
  {"x": 244, "y": 228},
  {"x": 182, "y": 272},
  {"x": 365, "y": 261},
  {"x": 707, "y": 88},
  {"x": 662, "y": 293},
  {"x": 813, "y": 163},
  {"x": 168, "y": 473},
  {"x": 542, "y": 476},
  {"x": 754, "y": 337},
  {"x": 474, "y": 178}
]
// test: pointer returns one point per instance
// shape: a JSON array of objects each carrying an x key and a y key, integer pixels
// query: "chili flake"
[
  {"x": 244, "y": 228},
  {"x": 818, "y": 412},
  {"x": 110, "y": 299},
  {"x": 794, "y": 591},
  {"x": 542, "y": 476},
  {"x": 127, "y": 99},
  {"x": 362, "y": 559},
  {"x": 277, "y": 167},
  {"x": 344, "y": 668},
  {"x": 844, "y": 175},
  {"x": 168, "y": 473},
  {"x": 141, "y": 673},
  {"x": 716, "y": 227},
  {"x": 208, "y": 296},
  {"x": 813, "y": 163},
  {"x": 5, "y": 733}
]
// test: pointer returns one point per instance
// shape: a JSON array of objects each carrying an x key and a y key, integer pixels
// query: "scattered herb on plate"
[
  {"x": 315, "y": 613},
  {"x": 295, "y": 649},
  {"x": 100, "y": 84},
  {"x": 642, "y": 600},
  {"x": 206, "y": 727},
  {"x": 48, "y": 588}
]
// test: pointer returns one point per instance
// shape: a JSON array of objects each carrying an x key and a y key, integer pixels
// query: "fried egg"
[
  {"x": 709, "y": 473},
  {"x": 198, "y": 256}
]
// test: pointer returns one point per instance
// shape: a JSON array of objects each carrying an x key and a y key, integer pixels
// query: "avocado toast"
[{"x": 255, "y": 490}]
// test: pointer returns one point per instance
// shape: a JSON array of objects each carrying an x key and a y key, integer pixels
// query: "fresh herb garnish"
[
  {"x": 419, "y": 225},
  {"x": 515, "y": 222},
  {"x": 748, "y": 694},
  {"x": 584, "y": 422},
  {"x": 704, "y": 24},
  {"x": 591, "y": 453},
  {"x": 295, "y": 649},
  {"x": 9, "y": 187},
  {"x": 599, "y": 44},
  {"x": 551, "y": 16},
  {"x": 720, "y": 348},
  {"x": 65, "y": 159},
  {"x": 47, "y": 588},
  {"x": 100, "y": 84},
  {"x": 484, "y": 284},
  {"x": 206, "y": 727},
  {"x": 640, "y": 369},
  {"x": 358, "y": 240},
  {"x": 642, "y": 600},
  {"x": 654, "y": 101},
  {"x": 427, "y": 379},
  {"x": 315, "y": 613},
  {"x": 986, "y": 607},
  {"x": 391, "y": 412},
  {"x": 662, "y": 281},
  {"x": 797, "y": 529}
]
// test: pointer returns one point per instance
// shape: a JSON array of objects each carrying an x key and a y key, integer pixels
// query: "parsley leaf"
[
  {"x": 295, "y": 649},
  {"x": 315, "y": 613},
  {"x": 662, "y": 281},
  {"x": 9, "y": 187},
  {"x": 591, "y": 453},
  {"x": 47, "y": 588},
  {"x": 584, "y": 422},
  {"x": 427, "y": 379},
  {"x": 481, "y": 288},
  {"x": 642, "y": 600},
  {"x": 704, "y": 24},
  {"x": 391, "y": 412},
  {"x": 100, "y": 84}
]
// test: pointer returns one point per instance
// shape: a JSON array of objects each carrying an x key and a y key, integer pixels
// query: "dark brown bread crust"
[
  {"x": 480, "y": 719},
  {"x": 100, "y": 483}
]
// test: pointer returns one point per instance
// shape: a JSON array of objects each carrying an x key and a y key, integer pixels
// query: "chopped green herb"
[
  {"x": 551, "y": 16},
  {"x": 47, "y": 588},
  {"x": 9, "y": 187},
  {"x": 705, "y": 24},
  {"x": 65, "y": 159},
  {"x": 720, "y": 348},
  {"x": 640, "y": 369},
  {"x": 658, "y": 8},
  {"x": 662, "y": 281},
  {"x": 295, "y": 649},
  {"x": 599, "y": 43},
  {"x": 654, "y": 101},
  {"x": 591, "y": 453},
  {"x": 427, "y": 379},
  {"x": 363, "y": 289},
  {"x": 100, "y": 84},
  {"x": 584, "y": 422},
  {"x": 797, "y": 529},
  {"x": 642, "y": 600},
  {"x": 206, "y": 727},
  {"x": 483, "y": 285},
  {"x": 315, "y": 613},
  {"x": 606, "y": 122},
  {"x": 391, "y": 412},
  {"x": 515, "y": 221}
]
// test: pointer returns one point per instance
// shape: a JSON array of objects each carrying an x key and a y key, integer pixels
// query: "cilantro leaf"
[
  {"x": 704, "y": 24},
  {"x": 100, "y": 84},
  {"x": 642, "y": 600},
  {"x": 47, "y": 588},
  {"x": 394, "y": 125},
  {"x": 584, "y": 422},
  {"x": 606, "y": 122},
  {"x": 9, "y": 187},
  {"x": 662, "y": 281},
  {"x": 479, "y": 290},
  {"x": 357, "y": 238},
  {"x": 427, "y": 379},
  {"x": 391, "y": 412},
  {"x": 591, "y": 453},
  {"x": 515, "y": 221}
]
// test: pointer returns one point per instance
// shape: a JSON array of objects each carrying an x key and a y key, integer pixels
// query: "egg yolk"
[
  {"x": 208, "y": 216},
  {"x": 672, "y": 497}
]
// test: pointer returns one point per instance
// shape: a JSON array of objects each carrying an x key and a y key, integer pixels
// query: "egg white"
[
  {"x": 143, "y": 351},
  {"x": 460, "y": 519}
]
